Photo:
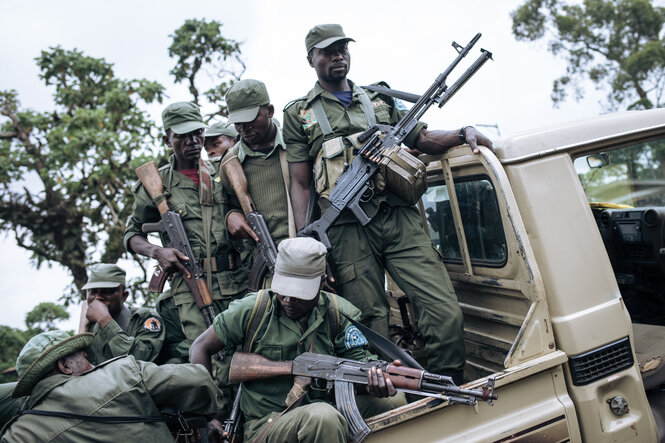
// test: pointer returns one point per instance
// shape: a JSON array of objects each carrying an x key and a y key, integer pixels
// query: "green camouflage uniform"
[
  {"x": 183, "y": 197},
  {"x": 282, "y": 338},
  {"x": 265, "y": 183},
  {"x": 118, "y": 387},
  {"x": 394, "y": 240},
  {"x": 136, "y": 331},
  {"x": 183, "y": 320},
  {"x": 9, "y": 406}
]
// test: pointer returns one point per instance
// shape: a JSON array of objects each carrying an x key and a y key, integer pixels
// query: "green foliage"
[
  {"x": 66, "y": 173},
  {"x": 12, "y": 340},
  {"x": 618, "y": 45},
  {"x": 199, "y": 46},
  {"x": 44, "y": 316}
]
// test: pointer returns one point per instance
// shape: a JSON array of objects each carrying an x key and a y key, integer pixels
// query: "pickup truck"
[{"x": 555, "y": 243}]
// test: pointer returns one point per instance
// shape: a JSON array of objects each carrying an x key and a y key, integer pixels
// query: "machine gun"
[
  {"x": 342, "y": 373},
  {"x": 172, "y": 226},
  {"x": 265, "y": 260},
  {"x": 353, "y": 186}
]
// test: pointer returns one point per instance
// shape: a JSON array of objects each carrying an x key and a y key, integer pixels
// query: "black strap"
[
  {"x": 116, "y": 419},
  {"x": 223, "y": 262}
]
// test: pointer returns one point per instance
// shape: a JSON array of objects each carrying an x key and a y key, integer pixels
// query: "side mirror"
[{"x": 598, "y": 160}]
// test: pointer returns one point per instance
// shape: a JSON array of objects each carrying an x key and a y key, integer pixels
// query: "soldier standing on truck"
[
  {"x": 262, "y": 154},
  {"x": 119, "y": 330},
  {"x": 395, "y": 239},
  {"x": 184, "y": 178}
]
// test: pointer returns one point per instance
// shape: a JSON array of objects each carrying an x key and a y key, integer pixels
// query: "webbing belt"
[{"x": 324, "y": 124}]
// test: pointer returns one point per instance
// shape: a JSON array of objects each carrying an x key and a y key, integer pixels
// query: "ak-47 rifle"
[
  {"x": 265, "y": 260},
  {"x": 342, "y": 373},
  {"x": 172, "y": 226},
  {"x": 234, "y": 420},
  {"x": 353, "y": 186}
]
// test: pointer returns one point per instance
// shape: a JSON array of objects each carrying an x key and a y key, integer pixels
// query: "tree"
[
  {"x": 617, "y": 44},
  {"x": 66, "y": 173},
  {"x": 12, "y": 340},
  {"x": 44, "y": 316},
  {"x": 199, "y": 47}
]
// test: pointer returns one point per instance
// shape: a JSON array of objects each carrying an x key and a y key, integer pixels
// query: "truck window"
[
  {"x": 625, "y": 187},
  {"x": 481, "y": 220},
  {"x": 632, "y": 176}
]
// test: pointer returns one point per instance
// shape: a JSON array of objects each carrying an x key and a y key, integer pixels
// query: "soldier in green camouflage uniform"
[
  {"x": 229, "y": 261},
  {"x": 394, "y": 240},
  {"x": 297, "y": 319},
  {"x": 118, "y": 329},
  {"x": 58, "y": 378},
  {"x": 262, "y": 154},
  {"x": 219, "y": 138}
]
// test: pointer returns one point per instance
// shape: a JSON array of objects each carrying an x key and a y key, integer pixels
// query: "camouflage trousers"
[{"x": 395, "y": 241}]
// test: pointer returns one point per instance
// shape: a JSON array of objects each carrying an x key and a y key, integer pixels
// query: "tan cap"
[{"x": 300, "y": 263}]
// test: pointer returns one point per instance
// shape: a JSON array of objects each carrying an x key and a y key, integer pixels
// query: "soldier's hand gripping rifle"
[
  {"x": 265, "y": 261},
  {"x": 342, "y": 373},
  {"x": 172, "y": 226},
  {"x": 353, "y": 186}
]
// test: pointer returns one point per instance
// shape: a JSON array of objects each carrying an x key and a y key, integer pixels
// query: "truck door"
[{"x": 475, "y": 223}]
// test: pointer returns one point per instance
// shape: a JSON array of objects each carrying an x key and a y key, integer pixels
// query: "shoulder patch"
[
  {"x": 353, "y": 338},
  {"x": 152, "y": 324},
  {"x": 399, "y": 105},
  {"x": 307, "y": 118},
  {"x": 378, "y": 103}
]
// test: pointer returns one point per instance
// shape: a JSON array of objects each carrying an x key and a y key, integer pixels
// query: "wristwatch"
[{"x": 462, "y": 135}]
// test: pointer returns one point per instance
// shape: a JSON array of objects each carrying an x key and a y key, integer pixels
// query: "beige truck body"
[{"x": 543, "y": 313}]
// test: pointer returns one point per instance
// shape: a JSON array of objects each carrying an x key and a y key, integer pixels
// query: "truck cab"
[{"x": 555, "y": 244}]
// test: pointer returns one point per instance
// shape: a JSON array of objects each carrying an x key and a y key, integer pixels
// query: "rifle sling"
[
  {"x": 287, "y": 184},
  {"x": 324, "y": 124},
  {"x": 206, "y": 200},
  {"x": 174, "y": 416}
]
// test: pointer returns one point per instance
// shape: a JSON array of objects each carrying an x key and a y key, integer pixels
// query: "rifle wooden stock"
[
  {"x": 152, "y": 182},
  {"x": 233, "y": 170},
  {"x": 248, "y": 367},
  {"x": 265, "y": 260}
]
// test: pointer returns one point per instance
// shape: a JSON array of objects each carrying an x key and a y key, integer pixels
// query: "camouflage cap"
[
  {"x": 105, "y": 275},
  {"x": 244, "y": 100},
  {"x": 322, "y": 36},
  {"x": 39, "y": 356},
  {"x": 218, "y": 129},
  {"x": 300, "y": 263},
  {"x": 182, "y": 117}
]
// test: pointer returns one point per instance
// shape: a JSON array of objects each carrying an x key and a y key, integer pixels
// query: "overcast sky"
[{"x": 406, "y": 43}]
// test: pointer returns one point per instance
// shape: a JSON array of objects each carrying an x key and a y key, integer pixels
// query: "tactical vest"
[{"x": 402, "y": 173}]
